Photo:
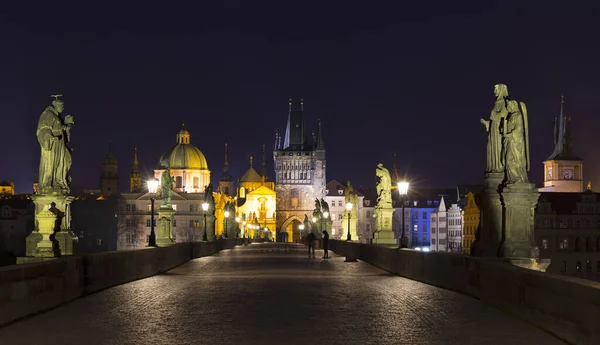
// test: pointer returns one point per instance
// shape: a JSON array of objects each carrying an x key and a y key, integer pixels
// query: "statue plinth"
[
  {"x": 165, "y": 226},
  {"x": 52, "y": 236},
  {"x": 352, "y": 228},
  {"x": 210, "y": 227},
  {"x": 519, "y": 200},
  {"x": 383, "y": 226},
  {"x": 489, "y": 235}
]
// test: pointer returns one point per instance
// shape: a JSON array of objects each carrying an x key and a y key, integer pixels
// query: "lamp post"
[
  {"x": 403, "y": 190},
  {"x": 349, "y": 208},
  {"x": 225, "y": 229},
  {"x": 204, "y": 208},
  {"x": 152, "y": 188}
]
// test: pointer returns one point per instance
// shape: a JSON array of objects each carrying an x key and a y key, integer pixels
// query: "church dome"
[{"x": 183, "y": 155}]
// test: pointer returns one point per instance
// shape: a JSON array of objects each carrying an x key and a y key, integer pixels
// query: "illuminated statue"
[
  {"x": 53, "y": 134},
  {"x": 495, "y": 128},
  {"x": 324, "y": 206},
  {"x": 516, "y": 144},
  {"x": 384, "y": 187},
  {"x": 166, "y": 185}
]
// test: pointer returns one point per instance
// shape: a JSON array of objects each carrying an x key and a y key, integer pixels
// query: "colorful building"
[{"x": 470, "y": 221}]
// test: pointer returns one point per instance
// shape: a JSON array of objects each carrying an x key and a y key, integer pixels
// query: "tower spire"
[
  {"x": 563, "y": 138},
  {"x": 226, "y": 163},
  {"x": 302, "y": 104},
  {"x": 320, "y": 142},
  {"x": 135, "y": 159},
  {"x": 395, "y": 174},
  {"x": 250, "y": 161}
]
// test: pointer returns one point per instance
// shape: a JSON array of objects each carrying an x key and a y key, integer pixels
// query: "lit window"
[
  {"x": 545, "y": 244},
  {"x": 416, "y": 228}
]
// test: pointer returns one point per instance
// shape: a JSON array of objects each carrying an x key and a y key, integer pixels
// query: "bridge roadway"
[{"x": 274, "y": 294}]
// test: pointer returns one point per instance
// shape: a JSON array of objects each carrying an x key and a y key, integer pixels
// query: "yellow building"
[
  {"x": 470, "y": 215},
  {"x": 256, "y": 201},
  {"x": 7, "y": 188},
  {"x": 221, "y": 199}
]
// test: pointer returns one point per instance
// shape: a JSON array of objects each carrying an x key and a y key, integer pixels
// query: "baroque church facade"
[{"x": 300, "y": 174}]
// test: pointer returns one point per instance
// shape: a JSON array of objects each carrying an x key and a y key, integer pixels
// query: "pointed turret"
[
  {"x": 135, "y": 178},
  {"x": 295, "y": 131},
  {"x": 563, "y": 138},
  {"x": 320, "y": 142},
  {"x": 226, "y": 181}
]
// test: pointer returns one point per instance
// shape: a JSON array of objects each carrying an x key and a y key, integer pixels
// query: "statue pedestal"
[
  {"x": 344, "y": 229},
  {"x": 519, "y": 202},
  {"x": 164, "y": 236},
  {"x": 52, "y": 236},
  {"x": 490, "y": 232},
  {"x": 383, "y": 226},
  {"x": 210, "y": 228}
]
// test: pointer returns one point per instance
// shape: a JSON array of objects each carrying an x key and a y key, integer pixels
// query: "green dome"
[{"x": 183, "y": 155}]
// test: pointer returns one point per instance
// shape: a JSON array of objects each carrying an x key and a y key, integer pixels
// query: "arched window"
[{"x": 242, "y": 192}]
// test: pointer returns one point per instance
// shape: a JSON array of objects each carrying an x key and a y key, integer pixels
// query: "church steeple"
[
  {"x": 563, "y": 138},
  {"x": 226, "y": 163},
  {"x": 135, "y": 178},
  {"x": 295, "y": 131},
  {"x": 320, "y": 142}
]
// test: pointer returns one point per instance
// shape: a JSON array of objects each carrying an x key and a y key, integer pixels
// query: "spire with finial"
[
  {"x": 263, "y": 165},
  {"x": 290, "y": 103},
  {"x": 226, "y": 163},
  {"x": 320, "y": 142},
  {"x": 250, "y": 161},
  {"x": 563, "y": 138},
  {"x": 302, "y": 104},
  {"x": 395, "y": 173},
  {"x": 135, "y": 178}
]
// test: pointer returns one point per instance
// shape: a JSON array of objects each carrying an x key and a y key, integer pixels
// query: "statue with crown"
[
  {"x": 52, "y": 236},
  {"x": 508, "y": 200}
]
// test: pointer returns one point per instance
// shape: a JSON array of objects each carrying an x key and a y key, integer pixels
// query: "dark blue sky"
[{"x": 412, "y": 77}]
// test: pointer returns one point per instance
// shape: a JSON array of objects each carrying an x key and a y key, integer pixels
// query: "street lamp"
[
  {"x": 204, "y": 208},
  {"x": 225, "y": 230},
  {"x": 152, "y": 188},
  {"x": 403, "y": 190},
  {"x": 325, "y": 216},
  {"x": 301, "y": 228},
  {"x": 349, "y": 208}
]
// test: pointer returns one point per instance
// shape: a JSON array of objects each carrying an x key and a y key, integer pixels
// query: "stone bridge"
[{"x": 273, "y": 293}]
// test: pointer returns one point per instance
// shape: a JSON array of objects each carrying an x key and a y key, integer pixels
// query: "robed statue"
[
  {"x": 317, "y": 206},
  {"x": 350, "y": 196},
  {"x": 324, "y": 206},
  {"x": 210, "y": 198},
  {"x": 166, "y": 184},
  {"x": 516, "y": 138},
  {"x": 384, "y": 187},
  {"x": 53, "y": 134},
  {"x": 495, "y": 128}
]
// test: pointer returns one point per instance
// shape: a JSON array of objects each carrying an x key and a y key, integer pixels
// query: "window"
[
  {"x": 563, "y": 244},
  {"x": 578, "y": 266},
  {"x": 99, "y": 243},
  {"x": 340, "y": 203},
  {"x": 424, "y": 215},
  {"x": 174, "y": 207},
  {"x": 178, "y": 182},
  {"x": 148, "y": 223},
  {"x": 588, "y": 266},
  {"x": 416, "y": 228},
  {"x": 196, "y": 181},
  {"x": 545, "y": 243},
  {"x": 174, "y": 222},
  {"x": 368, "y": 214},
  {"x": 130, "y": 238},
  {"x": 242, "y": 193}
]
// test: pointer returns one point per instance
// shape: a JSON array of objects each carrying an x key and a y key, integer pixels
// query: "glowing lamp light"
[
  {"x": 403, "y": 188},
  {"x": 314, "y": 219},
  {"x": 237, "y": 219},
  {"x": 425, "y": 249},
  {"x": 349, "y": 206},
  {"x": 226, "y": 214},
  {"x": 326, "y": 214},
  {"x": 152, "y": 185},
  {"x": 204, "y": 206},
  {"x": 301, "y": 226}
]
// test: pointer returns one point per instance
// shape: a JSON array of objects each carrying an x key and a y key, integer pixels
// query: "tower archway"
[{"x": 290, "y": 228}]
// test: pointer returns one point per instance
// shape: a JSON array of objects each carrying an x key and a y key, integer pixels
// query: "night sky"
[{"x": 408, "y": 76}]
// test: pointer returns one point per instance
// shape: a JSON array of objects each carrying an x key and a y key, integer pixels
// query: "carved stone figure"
[
  {"x": 351, "y": 196},
  {"x": 317, "y": 206},
  {"x": 53, "y": 134},
  {"x": 166, "y": 186},
  {"x": 210, "y": 199},
  {"x": 495, "y": 128},
  {"x": 324, "y": 206},
  {"x": 384, "y": 187},
  {"x": 516, "y": 157}
]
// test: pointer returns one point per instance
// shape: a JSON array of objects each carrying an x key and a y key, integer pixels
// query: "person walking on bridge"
[
  {"x": 311, "y": 238},
  {"x": 325, "y": 244}
]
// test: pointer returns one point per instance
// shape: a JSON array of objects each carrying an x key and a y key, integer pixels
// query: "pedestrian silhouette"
[
  {"x": 326, "y": 244},
  {"x": 311, "y": 243}
]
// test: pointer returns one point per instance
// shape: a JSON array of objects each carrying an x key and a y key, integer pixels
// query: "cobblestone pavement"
[{"x": 274, "y": 294}]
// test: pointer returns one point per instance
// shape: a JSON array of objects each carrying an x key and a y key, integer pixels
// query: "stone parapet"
[{"x": 565, "y": 306}]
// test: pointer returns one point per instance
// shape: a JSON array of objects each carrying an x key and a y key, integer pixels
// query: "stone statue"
[
  {"x": 166, "y": 183},
  {"x": 495, "y": 128},
  {"x": 516, "y": 155},
  {"x": 53, "y": 134},
  {"x": 210, "y": 199},
  {"x": 384, "y": 187},
  {"x": 351, "y": 196},
  {"x": 324, "y": 206},
  {"x": 317, "y": 206}
]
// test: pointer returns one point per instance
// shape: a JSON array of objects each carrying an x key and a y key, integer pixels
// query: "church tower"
[
  {"x": 226, "y": 182},
  {"x": 109, "y": 179},
  {"x": 300, "y": 174},
  {"x": 135, "y": 179},
  {"x": 563, "y": 170}
]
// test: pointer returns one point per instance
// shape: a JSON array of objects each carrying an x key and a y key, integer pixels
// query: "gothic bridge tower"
[{"x": 300, "y": 174}]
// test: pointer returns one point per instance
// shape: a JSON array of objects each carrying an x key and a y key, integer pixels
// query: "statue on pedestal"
[
  {"x": 166, "y": 184},
  {"x": 495, "y": 128},
  {"x": 53, "y": 134},
  {"x": 516, "y": 141}
]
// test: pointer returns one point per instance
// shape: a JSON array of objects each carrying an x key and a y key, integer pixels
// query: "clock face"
[{"x": 568, "y": 173}]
